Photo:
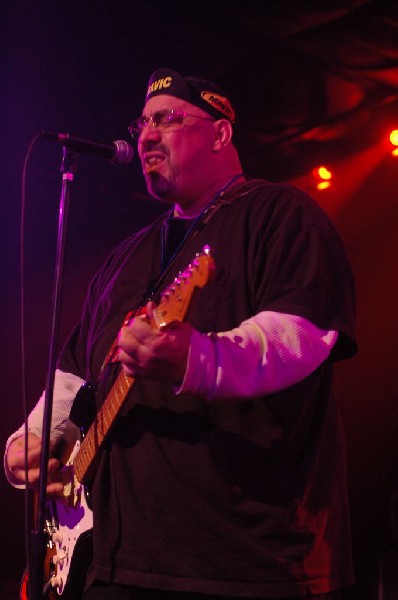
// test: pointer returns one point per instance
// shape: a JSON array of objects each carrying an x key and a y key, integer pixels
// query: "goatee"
[{"x": 159, "y": 185}]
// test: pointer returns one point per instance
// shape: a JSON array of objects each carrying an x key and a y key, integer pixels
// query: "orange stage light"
[
  {"x": 324, "y": 173},
  {"x": 323, "y": 185},
  {"x": 323, "y": 177},
  {"x": 394, "y": 137}
]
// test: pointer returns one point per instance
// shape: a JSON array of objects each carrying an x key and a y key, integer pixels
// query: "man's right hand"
[{"x": 15, "y": 459}]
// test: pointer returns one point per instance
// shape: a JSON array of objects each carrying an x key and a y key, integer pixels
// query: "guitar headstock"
[{"x": 176, "y": 297}]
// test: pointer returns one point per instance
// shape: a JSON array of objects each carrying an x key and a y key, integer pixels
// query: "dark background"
[{"x": 314, "y": 82}]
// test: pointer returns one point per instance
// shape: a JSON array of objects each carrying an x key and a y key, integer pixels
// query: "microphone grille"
[{"x": 124, "y": 153}]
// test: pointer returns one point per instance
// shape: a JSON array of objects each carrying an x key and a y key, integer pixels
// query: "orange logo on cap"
[{"x": 219, "y": 103}]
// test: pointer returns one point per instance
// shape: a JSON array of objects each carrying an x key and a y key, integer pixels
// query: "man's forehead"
[{"x": 163, "y": 101}]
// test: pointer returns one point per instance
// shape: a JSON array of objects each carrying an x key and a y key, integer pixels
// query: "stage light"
[
  {"x": 324, "y": 173},
  {"x": 394, "y": 142},
  {"x": 323, "y": 177},
  {"x": 394, "y": 137},
  {"x": 323, "y": 185}
]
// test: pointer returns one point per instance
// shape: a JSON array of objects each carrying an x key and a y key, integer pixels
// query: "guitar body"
[
  {"x": 79, "y": 565},
  {"x": 69, "y": 523},
  {"x": 81, "y": 557}
]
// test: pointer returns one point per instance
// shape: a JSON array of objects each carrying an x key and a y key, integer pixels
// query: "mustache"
[{"x": 150, "y": 146}]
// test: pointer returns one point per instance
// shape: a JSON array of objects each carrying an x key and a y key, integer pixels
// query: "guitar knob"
[
  {"x": 56, "y": 581},
  {"x": 59, "y": 558},
  {"x": 57, "y": 537}
]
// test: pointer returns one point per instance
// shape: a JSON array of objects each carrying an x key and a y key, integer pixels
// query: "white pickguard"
[{"x": 70, "y": 517}]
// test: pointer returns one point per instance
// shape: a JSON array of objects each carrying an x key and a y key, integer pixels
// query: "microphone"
[{"x": 118, "y": 152}]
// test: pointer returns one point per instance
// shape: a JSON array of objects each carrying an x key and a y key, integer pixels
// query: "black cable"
[{"x": 23, "y": 349}]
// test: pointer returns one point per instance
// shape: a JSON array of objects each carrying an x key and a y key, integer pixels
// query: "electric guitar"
[{"x": 69, "y": 521}]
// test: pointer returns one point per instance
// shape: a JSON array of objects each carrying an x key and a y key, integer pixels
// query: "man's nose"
[{"x": 150, "y": 132}]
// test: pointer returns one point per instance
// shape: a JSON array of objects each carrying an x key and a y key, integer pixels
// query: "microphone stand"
[{"x": 38, "y": 536}]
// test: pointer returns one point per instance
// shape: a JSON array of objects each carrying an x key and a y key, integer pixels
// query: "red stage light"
[
  {"x": 323, "y": 177},
  {"x": 323, "y": 185},
  {"x": 324, "y": 173},
  {"x": 394, "y": 137}
]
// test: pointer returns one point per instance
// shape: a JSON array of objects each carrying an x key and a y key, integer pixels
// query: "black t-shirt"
[{"x": 234, "y": 497}]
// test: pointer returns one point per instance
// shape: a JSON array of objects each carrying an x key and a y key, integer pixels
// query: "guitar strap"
[
  {"x": 223, "y": 198},
  {"x": 218, "y": 202},
  {"x": 190, "y": 234}
]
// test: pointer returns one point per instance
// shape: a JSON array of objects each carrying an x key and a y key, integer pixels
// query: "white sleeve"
[
  {"x": 266, "y": 353},
  {"x": 66, "y": 386}
]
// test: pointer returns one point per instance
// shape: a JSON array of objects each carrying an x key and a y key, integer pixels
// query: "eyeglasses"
[{"x": 161, "y": 119}]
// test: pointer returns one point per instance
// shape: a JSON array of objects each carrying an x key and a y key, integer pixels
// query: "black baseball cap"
[{"x": 202, "y": 93}]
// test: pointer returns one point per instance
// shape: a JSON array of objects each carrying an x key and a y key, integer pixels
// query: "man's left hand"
[{"x": 147, "y": 351}]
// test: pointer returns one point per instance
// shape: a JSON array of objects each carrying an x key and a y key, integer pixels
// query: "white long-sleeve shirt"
[{"x": 266, "y": 353}]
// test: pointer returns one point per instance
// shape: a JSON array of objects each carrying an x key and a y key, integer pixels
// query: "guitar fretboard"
[{"x": 95, "y": 437}]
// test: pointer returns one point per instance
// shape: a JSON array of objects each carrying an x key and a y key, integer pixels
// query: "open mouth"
[{"x": 152, "y": 160}]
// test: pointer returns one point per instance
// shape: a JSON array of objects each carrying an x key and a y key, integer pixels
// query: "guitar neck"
[
  {"x": 85, "y": 460},
  {"x": 173, "y": 306}
]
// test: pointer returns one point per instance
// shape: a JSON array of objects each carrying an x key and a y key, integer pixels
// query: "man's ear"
[{"x": 223, "y": 134}]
